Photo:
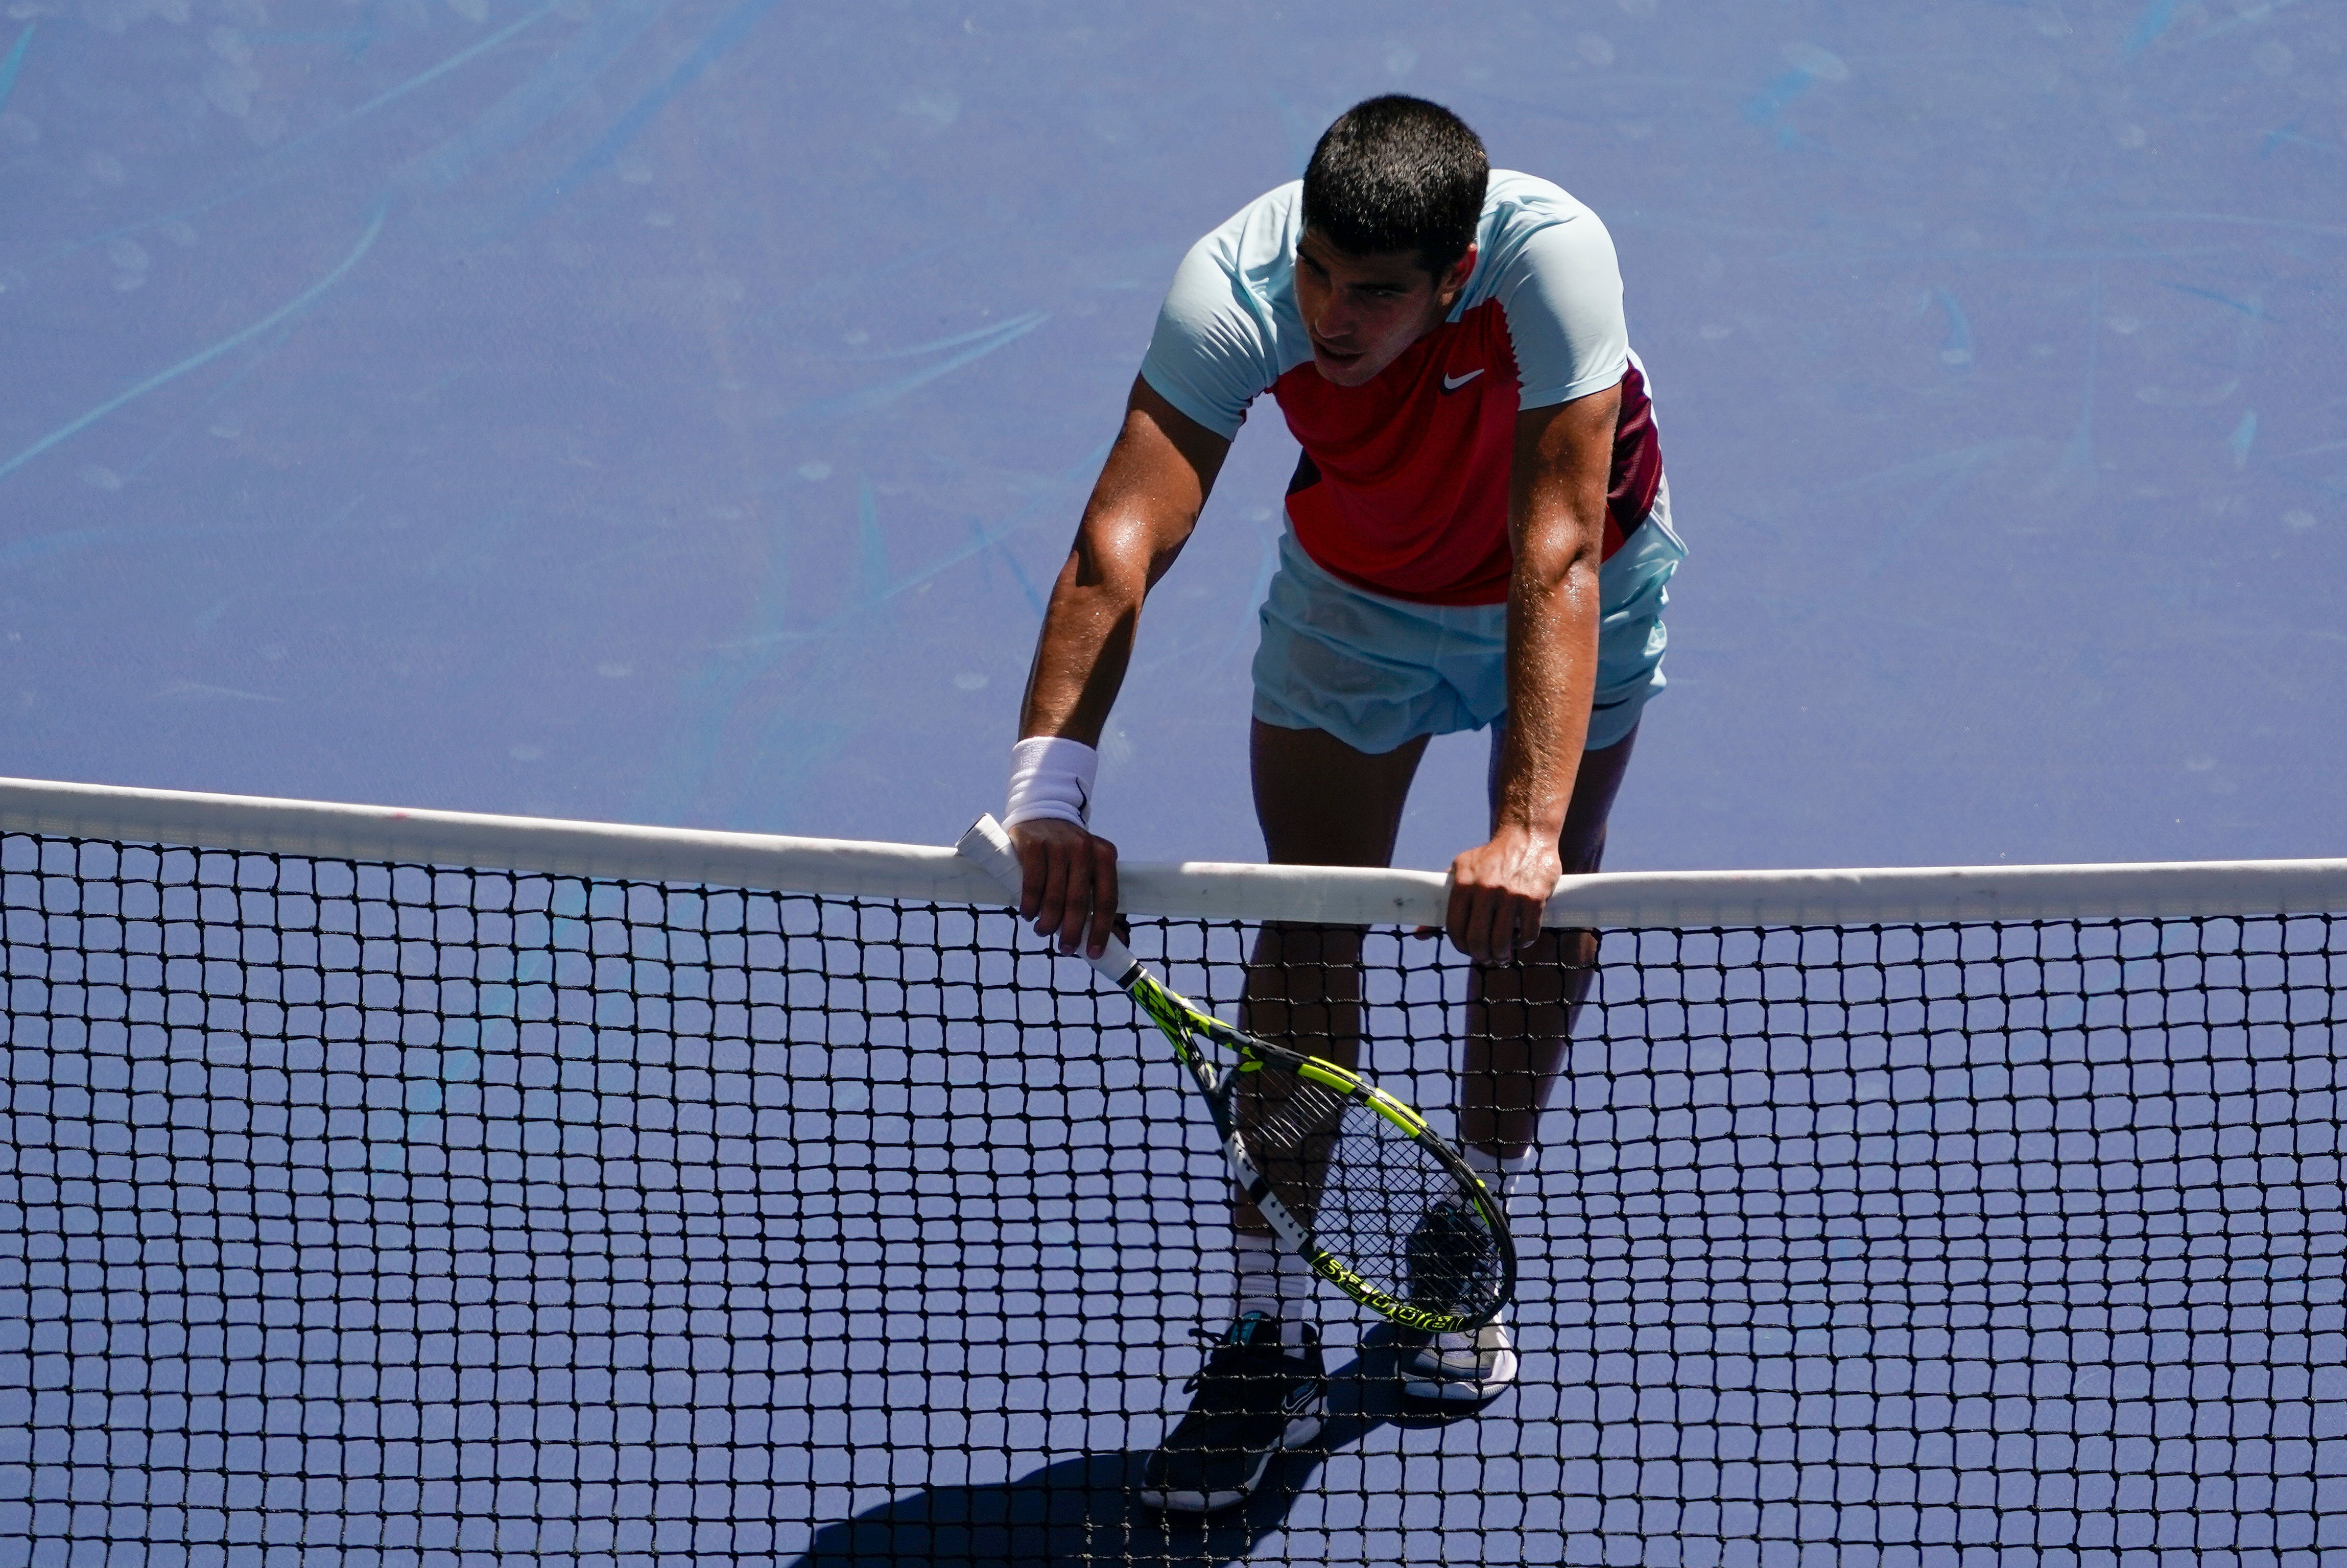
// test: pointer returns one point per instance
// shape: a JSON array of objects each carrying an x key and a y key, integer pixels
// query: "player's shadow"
[{"x": 1087, "y": 1511}]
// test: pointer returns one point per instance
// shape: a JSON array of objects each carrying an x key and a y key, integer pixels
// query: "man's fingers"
[
  {"x": 1528, "y": 922},
  {"x": 1074, "y": 871},
  {"x": 1076, "y": 899},
  {"x": 1499, "y": 893},
  {"x": 1471, "y": 920},
  {"x": 1067, "y": 885},
  {"x": 1103, "y": 889},
  {"x": 1050, "y": 910},
  {"x": 1034, "y": 871},
  {"x": 1068, "y": 890},
  {"x": 1492, "y": 925},
  {"x": 1485, "y": 929},
  {"x": 1506, "y": 907}
]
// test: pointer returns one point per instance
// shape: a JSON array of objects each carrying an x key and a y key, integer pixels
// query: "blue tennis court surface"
[{"x": 674, "y": 410}]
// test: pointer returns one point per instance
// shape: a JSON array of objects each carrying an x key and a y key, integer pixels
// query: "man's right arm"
[{"x": 1147, "y": 500}]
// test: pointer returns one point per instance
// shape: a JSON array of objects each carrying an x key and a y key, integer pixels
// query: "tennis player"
[{"x": 1478, "y": 537}]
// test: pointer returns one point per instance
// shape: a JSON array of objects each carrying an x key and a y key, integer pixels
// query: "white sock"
[
  {"x": 1510, "y": 1179},
  {"x": 1274, "y": 1281}
]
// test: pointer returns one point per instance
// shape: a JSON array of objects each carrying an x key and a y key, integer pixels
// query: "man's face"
[{"x": 1362, "y": 312}]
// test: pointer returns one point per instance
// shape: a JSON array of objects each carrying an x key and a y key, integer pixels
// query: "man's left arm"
[{"x": 1556, "y": 522}]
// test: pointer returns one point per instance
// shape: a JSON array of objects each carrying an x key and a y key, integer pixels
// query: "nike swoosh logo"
[{"x": 1453, "y": 383}]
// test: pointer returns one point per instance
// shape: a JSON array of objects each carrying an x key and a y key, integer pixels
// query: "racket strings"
[{"x": 1369, "y": 1193}]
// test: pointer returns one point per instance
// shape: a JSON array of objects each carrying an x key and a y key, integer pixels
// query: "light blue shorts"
[{"x": 1376, "y": 672}]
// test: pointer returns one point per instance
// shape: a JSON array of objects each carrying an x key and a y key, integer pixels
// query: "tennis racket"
[{"x": 1349, "y": 1177}]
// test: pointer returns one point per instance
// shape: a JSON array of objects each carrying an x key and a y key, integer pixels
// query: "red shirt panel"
[{"x": 1403, "y": 486}]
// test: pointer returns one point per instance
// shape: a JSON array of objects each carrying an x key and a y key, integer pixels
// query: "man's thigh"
[
  {"x": 1348, "y": 687},
  {"x": 1324, "y": 803}
]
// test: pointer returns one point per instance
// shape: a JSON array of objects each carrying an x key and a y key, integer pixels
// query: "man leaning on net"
[{"x": 1478, "y": 535}]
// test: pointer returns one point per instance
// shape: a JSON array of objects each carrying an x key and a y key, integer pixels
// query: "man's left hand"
[{"x": 1498, "y": 891}]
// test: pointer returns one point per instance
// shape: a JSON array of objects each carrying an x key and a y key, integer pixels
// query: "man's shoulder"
[
  {"x": 1517, "y": 207},
  {"x": 1510, "y": 190},
  {"x": 1534, "y": 228},
  {"x": 1256, "y": 244},
  {"x": 1228, "y": 326}
]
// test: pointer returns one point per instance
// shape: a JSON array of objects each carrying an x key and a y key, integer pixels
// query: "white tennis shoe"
[{"x": 1462, "y": 1368}]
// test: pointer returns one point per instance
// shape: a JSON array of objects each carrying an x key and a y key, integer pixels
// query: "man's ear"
[{"x": 1454, "y": 280}]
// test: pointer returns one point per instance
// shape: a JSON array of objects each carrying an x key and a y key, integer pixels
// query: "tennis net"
[{"x": 404, "y": 1188}]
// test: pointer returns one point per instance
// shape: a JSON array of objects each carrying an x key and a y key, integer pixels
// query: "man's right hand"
[{"x": 1067, "y": 883}]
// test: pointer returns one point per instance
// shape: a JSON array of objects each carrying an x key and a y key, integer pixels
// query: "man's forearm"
[
  {"x": 1084, "y": 647},
  {"x": 1552, "y": 616},
  {"x": 1557, "y": 527}
]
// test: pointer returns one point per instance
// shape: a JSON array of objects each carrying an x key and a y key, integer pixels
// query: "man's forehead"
[{"x": 1402, "y": 267}]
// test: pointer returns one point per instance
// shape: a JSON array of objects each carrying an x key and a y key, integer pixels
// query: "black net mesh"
[{"x": 362, "y": 1214}]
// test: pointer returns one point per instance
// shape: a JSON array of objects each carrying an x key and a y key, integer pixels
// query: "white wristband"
[{"x": 1050, "y": 777}]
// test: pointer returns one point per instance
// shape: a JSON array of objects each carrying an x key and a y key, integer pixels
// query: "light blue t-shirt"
[
  {"x": 1230, "y": 329},
  {"x": 1403, "y": 488}
]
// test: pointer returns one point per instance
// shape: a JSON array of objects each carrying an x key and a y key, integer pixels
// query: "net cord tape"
[{"x": 1193, "y": 890}]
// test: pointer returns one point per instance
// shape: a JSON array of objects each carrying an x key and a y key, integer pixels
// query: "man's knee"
[
  {"x": 1555, "y": 968},
  {"x": 1570, "y": 947},
  {"x": 1290, "y": 946}
]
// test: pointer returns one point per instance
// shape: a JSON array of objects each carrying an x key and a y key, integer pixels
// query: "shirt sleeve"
[
  {"x": 1212, "y": 353},
  {"x": 1561, "y": 292}
]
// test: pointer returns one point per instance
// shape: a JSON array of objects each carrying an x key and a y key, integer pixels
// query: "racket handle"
[{"x": 987, "y": 844}]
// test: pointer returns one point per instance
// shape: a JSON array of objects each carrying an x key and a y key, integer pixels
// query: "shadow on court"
[{"x": 1086, "y": 1510}]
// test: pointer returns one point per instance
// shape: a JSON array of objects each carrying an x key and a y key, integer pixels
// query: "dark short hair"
[{"x": 1398, "y": 173}]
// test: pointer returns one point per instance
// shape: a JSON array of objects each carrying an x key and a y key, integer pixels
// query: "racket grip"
[{"x": 990, "y": 847}]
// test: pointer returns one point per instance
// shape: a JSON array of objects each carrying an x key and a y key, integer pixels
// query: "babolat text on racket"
[{"x": 1349, "y": 1177}]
